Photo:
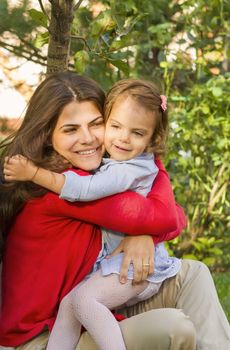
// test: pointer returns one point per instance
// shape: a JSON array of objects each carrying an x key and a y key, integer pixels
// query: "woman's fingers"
[
  {"x": 147, "y": 267},
  {"x": 138, "y": 251},
  {"x": 124, "y": 268},
  {"x": 138, "y": 270}
]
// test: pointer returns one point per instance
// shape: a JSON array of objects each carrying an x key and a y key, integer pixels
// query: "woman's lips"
[{"x": 88, "y": 152}]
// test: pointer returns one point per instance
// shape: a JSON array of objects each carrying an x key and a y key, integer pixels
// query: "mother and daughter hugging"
[{"x": 68, "y": 259}]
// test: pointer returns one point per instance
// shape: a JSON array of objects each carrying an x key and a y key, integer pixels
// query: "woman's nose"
[{"x": 86, "y": 136}]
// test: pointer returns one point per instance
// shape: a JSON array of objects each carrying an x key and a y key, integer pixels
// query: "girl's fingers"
[
  {"x": 7, "y": 172},
  {"x": 9, "y": 178}
]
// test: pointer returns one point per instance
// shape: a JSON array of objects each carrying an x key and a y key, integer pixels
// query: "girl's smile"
[{"x": 129, "y": 129}]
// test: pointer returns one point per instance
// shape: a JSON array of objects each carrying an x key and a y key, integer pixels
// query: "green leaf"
[
  {"x": 197, "y": 245},
  {"x": 164, "y": 64},
  {"x": 120, "y": 65},
  {"x": 217, "y": 91},
  {"x": 205, "y": 109},
  {"x": 81, "y": 58},
  {"x": 209, "y": 261},
  {"x": 39, "y": 17},
  {"x": 190, "y": 256},
  {"x": 215, "y": 251},
  {"x": 41, "y": 40},
  {"x": 118, "y": 44},
  {"x": 104, "y": 22}
]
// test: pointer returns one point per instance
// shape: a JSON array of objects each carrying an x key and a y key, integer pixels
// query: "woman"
[{"x": 41, "y": 262}]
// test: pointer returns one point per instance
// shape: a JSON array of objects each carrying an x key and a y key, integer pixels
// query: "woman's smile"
[
  {"x": 88, "y": 152},
  {"x": 79, "y": 135}
]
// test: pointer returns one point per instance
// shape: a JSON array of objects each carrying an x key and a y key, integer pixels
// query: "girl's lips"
[{"x": 121, "y": 149}]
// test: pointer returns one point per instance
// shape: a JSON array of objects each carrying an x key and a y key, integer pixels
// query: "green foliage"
[
  {"x": 39, "y": 17},
  {"x": 222, "y": 282},
  {"x": 198, "y": 161},
  {"x": 19, "y": 26},
  {"x": 81, "y": 60}
]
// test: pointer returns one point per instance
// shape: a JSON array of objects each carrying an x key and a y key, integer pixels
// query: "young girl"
[{"x": 136, "y": 128}]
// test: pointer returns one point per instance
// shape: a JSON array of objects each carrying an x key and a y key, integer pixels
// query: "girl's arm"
[
  {"x": 112, "y": 178},
  {"x": 19, "y": 168},
  {"x": 129, "y": 212},
  {"x": 157, "y": 215}
]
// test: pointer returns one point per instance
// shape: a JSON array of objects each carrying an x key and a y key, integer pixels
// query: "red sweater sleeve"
[{"x": 131, "y": 213}]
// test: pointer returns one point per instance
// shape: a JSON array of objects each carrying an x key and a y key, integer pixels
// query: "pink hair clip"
[{"x": 163, "y": 102}]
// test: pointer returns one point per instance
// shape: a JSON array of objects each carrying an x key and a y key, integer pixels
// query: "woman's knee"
[
  {"x": 183, "y": 333},
  {"x": 165, "y": 328}
]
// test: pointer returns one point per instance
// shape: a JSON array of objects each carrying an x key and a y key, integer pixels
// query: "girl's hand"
[
  {"x": 139, "y": 251},
  {"x": 19, "y": 168}
]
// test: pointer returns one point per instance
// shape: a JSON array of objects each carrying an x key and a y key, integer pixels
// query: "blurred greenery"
[
  {"x": 222, "y": 282},
  {"x": 184, "y": 47}
]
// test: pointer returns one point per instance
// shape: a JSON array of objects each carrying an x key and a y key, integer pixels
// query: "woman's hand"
[{"x": 139, "y": 251}]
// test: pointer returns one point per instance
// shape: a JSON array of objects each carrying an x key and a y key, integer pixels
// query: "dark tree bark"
[{"x": 60, "y": 35}]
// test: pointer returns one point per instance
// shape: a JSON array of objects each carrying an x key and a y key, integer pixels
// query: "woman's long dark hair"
[{"x": 33, "y": 139}]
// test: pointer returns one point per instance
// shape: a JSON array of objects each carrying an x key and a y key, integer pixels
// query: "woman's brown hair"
[
  {"x": 33, "y": 139},
  {"x": 148, "y": 96}
]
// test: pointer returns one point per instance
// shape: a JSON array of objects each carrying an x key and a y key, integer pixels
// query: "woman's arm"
[{"x": 157, "y": 215}]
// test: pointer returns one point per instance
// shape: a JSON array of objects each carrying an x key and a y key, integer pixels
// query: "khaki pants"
[{"x": 202, "y": 322}]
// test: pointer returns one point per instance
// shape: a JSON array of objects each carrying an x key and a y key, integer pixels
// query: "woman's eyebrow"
[
  {"x": 96, "y": 119},
  {"x": 77, "y": 125}
]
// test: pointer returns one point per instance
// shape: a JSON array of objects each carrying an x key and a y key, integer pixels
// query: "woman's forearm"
[{"x": 131, "y": 213}]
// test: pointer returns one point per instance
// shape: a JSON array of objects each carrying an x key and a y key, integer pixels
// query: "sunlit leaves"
[
  {"x": 39, "y": 17},
  {"x": 81, "y": 59},
  {"x": 41, "y": 40}
]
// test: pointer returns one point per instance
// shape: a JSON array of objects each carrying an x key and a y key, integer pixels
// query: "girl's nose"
[{"x": 124, "y": 136}]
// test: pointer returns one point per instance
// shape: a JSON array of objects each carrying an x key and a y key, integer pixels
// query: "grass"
[{"x": 222, "y": 282}]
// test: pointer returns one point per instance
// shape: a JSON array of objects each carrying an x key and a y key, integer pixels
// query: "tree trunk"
[{"x": 60, "y": 35}]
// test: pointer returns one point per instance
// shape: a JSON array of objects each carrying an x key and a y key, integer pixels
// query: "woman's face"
[{"x": 79, "y": 135}]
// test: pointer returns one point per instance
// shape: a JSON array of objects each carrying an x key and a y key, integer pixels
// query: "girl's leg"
[
  {"x": 67, "y": 329},
  {"x": 92, "y": 302}
]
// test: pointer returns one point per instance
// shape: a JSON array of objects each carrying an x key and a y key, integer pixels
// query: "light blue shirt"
[{"x": 114, "y": 177}]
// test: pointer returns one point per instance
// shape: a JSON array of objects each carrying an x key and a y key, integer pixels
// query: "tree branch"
[
  {"x": 78, "y": 4},
  {"x": 33, "y": 57},
  {"x": 83, "y": 39},
  {"x": 43, "y": 9}
]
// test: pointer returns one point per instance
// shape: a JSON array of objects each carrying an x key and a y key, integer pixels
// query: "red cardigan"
[{"x": 53, "y": 244}]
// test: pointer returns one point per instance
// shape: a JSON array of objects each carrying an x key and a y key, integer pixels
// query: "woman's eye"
[
  {"x": 114, "y": 126},
  {"x": 98, "y": 123},
  {"x": 68, "y": 131}
]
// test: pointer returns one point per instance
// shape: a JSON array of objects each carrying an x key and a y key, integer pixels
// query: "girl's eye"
[
  {"x": 137, "y": 133},
  {"x": 114, "y": 126}
]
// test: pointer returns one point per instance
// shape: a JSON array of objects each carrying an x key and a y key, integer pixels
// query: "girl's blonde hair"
[{"x": 148, "y": 96}]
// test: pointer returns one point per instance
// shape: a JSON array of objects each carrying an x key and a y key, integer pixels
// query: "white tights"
[{"x": 89, "y": 304}]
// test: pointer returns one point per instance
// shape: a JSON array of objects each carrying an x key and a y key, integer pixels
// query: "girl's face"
[
  {"x": 129, "y": 129},
  {"x": 79, "y": 135}
]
